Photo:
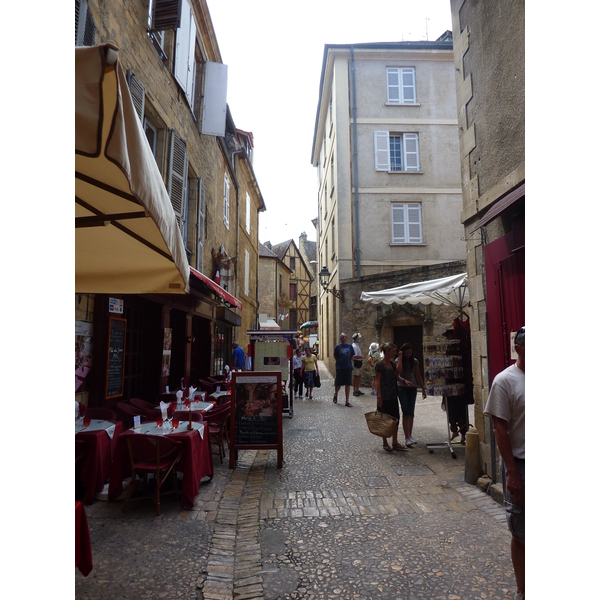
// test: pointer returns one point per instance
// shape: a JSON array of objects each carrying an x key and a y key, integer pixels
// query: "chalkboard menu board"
[
  {"x": 116, "y": 357},
  {"x": 255, "y": 420}
]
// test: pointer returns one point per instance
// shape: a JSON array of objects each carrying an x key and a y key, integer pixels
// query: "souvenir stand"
[
  {"x": 447, "y": 367},
  {"x": 271, "y": 350}
]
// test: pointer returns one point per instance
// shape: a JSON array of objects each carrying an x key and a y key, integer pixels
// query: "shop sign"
[{"x": 115, "y": 305}]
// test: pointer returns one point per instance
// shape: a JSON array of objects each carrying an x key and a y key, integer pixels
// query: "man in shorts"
[
  {"x": 506, "y": 407},
  {"x": 343, "y": 354}
]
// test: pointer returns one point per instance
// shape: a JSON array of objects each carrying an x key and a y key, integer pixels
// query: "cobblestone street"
[{"x": 341, "y": 519}]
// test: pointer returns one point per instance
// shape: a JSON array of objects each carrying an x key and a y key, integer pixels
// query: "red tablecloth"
[
  {"x": 196, "y": 463},
  {"x": 95, "y": 466},
  {"x": 83, "y": 546}
]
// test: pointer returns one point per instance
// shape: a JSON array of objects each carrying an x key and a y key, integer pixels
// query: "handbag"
[
  {"x": 357, "y": 364},
  {"x": 381, "y": 424},
  {"x": 317, "y": 380}
]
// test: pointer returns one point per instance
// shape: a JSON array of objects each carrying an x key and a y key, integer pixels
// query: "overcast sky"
[{"x": 274, "y": 53}]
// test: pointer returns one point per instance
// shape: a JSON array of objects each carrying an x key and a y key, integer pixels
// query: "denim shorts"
[
  {"x": 515, "y": 511},
  {"x": 408, "y": 399}
]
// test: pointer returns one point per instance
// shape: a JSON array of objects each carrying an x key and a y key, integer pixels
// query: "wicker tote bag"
[{"x": 381, "y": 424}]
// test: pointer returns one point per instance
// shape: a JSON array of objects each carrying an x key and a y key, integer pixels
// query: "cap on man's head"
[{"x": 356, "y": 336}]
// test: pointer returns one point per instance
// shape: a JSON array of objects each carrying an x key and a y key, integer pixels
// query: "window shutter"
[
  {"x": 415, "y": 234},
  {"x": 247, "y": 273},
  {"x": 248, "y": 208},
  {"x": 226, "y": 187},
  {"x": 398, "y": 224},
  {"x": 191, "y": 73},
  {"x": 411, "y": 151},
  {"x": 138, "y": 94},
  {"x": 409, "y": 93},
  {"x": 178, "y": 170},
  {"x": 166, "y": 14},
  {"x": 200, "y": 224},
  {"x": 382, "y": 151},
  {"x": 393, "y": 86},
  {"x": 183, "y": 42},
  {"x": 85, "y": 28}
]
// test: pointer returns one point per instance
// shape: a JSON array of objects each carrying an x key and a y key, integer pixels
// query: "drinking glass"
[
  {"x": 86, "y": 421},
  {"x": 175, "y": 423},
  {"x": 159, "y": 422}
]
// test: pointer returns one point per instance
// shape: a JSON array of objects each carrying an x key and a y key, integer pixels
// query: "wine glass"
[{"x": 86, "y": 421}]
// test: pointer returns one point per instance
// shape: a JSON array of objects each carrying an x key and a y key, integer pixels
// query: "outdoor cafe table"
[
  {"x": 83, "y": 546},
  {"x": 196, "y": 406},
  {"x": 100, "y": 439},
  {"x": 220, "y": 397},
  {"x": 196, "y": 461}
]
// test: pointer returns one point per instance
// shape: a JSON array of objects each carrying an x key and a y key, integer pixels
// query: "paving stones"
[{"x": 341, "y": 519}]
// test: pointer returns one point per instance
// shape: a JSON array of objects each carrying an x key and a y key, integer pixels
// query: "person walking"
[
  {"x": 297, "y": 366},
  {"x": 309, "y": 368},
  {"x": 373, "y": 358},
  {"x": 357, "y": 363},
  {"x": 386, "y": 378},
  {"x": 237, "y": 357},
  {"x": 343, "y": 354},
  {"x": 408, "y": 366},
  {"x": 506, "y": 407}
]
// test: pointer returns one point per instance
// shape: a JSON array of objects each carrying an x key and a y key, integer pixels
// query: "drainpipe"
[{"x": 355, "y": 161}]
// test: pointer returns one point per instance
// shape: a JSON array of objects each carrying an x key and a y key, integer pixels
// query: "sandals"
[
  {"x": 387, "y": 448},
  {"x": 399, "y": 447},
  {"x": 348, "y": 404},
  {"x": 335, "y": 399}
]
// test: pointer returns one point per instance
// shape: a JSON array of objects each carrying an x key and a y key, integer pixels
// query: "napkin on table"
[
  {"x": 191, "y": 394},
  {"x": 163, "y": 409}
]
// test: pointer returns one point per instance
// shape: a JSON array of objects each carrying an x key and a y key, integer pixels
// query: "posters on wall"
[
  {"x": 166, "y": 358},
  {"x": 83, "y": 354}
]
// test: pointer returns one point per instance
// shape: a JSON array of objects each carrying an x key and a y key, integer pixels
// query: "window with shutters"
[
  {"x": 248, "y": 208},
  {"x": 178, "y": 182},
  {"x": 200, "y": 226},
  {"x": 406, "y": 224},
  {"x": 85, "y": 28},
  {"x": 401, "y": 88},
  {"x": 226, "y": 186},
  {"x": 158, "y": 35},
  {"x": 293, "y": 291},
  {"x": 397, "y": 152}
]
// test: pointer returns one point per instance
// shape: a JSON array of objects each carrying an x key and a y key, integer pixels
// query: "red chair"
[
  {"x": 217, "y": 419},
  {"x": 126, "y": 412},
  {"x": 142, "y": 404},
  {"x": 106, "y": 414},
  {"x": 184, "y": 416},
  {"x": 207, "y": 386},
  {"x": 156, "y": 455},
  {"x": 82, "y": 408}
]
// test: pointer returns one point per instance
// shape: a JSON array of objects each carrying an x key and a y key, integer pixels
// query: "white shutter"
[
  {"x": 247, "y": 272},
  {"x": 393, "y": 86},
  {"x": 411, "y": 151},
  {"x": 177, "y": 180},
  {"x": 191, "y": 73},
  {"x": 382, "y": 151},
  {"x": 214, "y": 112},
  {"x": 138, "y": 94},
  {"x": 247, "y": 212},
  {"x": 182, "y": 45},
  {"x": 200, "y": 221},
  {"x": 415, "y": 234},
  {"x": 226, "y": 187},
  {"x": 398, "y": 224},
  {"x": 409, "y": 93}
]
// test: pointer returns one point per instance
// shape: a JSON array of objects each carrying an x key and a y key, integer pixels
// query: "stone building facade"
[
  {"x": 177, "y": 82},
  {"x": 274, "y": 276},
  {"x": 489, "y": 60},
  {"x": 386, "y": 151}
]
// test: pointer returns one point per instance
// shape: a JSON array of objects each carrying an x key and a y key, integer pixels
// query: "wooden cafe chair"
[
  {"x": 217, "y": 419},
  {"x": 156, "y": 455}
]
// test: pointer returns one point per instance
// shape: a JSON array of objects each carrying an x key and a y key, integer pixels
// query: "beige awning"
[{"x": 126, "y": 235}]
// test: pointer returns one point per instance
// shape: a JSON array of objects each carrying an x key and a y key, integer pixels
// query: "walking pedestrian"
[
  {"x": 386, "y": 378},
  {"x": 237, "y": 357},
  {"x": 357, "y": 363},
  {"x": 309, "y": 368},
  {"x": 408, "y": 366},
  {"x": 343, "y": 354},
  {"x": 506, "y": 406},
  {"x": 373, "y": 358},
  {"x": 297, "y": 366}
]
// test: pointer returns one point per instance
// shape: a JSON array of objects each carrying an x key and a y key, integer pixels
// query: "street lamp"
[{"x": 324, "y": 276}]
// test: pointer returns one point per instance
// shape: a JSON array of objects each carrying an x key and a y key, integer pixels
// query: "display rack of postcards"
[{"x": 443, "y": 372}]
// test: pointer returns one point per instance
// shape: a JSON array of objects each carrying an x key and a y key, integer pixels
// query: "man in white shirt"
[
  {"x": 357, "y": 360},
  {"x": 506, "y": 407}
]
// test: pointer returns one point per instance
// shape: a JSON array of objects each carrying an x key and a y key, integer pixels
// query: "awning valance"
[
  {"x": 126, "y": 235},
  {"x": 500, "y": 206},
  {"x": 446, "y": 290},
  {"x": 225, "y": 296}
]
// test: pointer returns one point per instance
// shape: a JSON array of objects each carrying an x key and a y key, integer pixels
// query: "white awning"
[{"x": 446, "y": 290}]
